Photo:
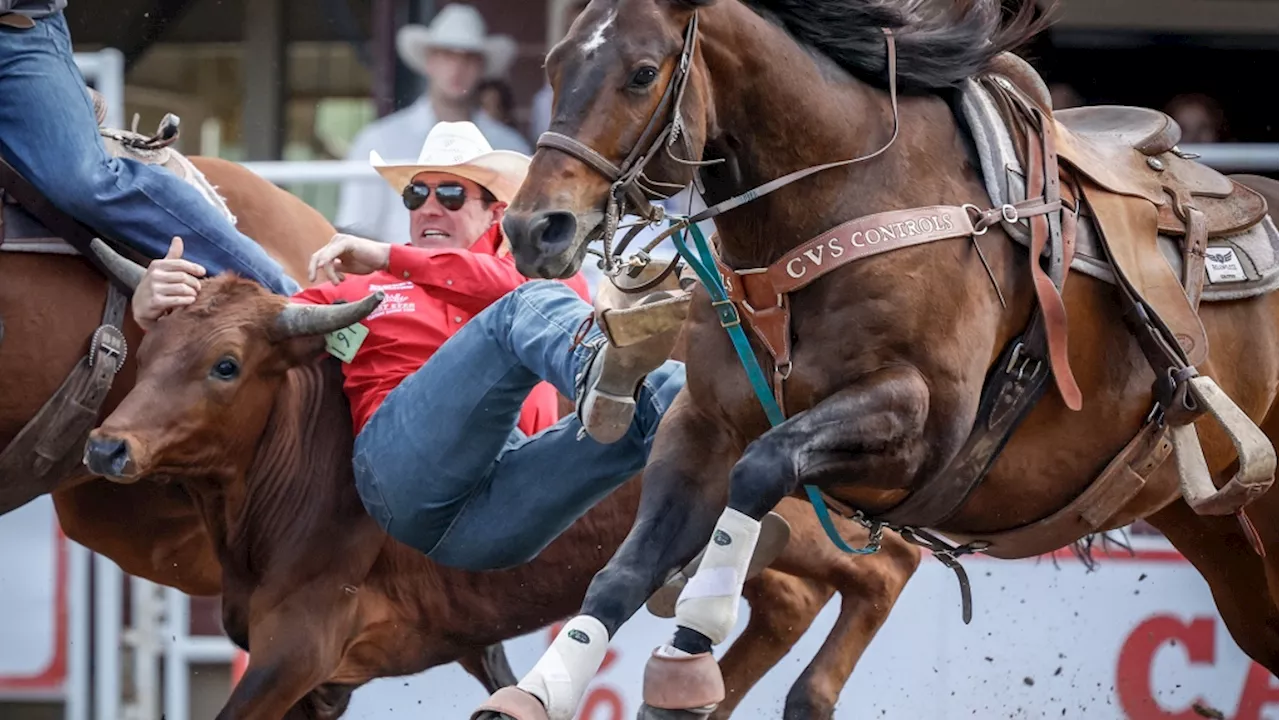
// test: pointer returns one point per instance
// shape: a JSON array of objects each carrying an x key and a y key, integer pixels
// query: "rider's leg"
[
  {"x": 441, "y": 466},
  {"x": 48, "y": 132}
]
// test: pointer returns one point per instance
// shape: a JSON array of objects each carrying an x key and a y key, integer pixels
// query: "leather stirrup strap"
[{"x": 1042, "y": 178}]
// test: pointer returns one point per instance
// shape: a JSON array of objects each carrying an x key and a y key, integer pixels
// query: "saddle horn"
[
  {"x": 128, "y": 272},
  {"x": 299, "y": 320}
]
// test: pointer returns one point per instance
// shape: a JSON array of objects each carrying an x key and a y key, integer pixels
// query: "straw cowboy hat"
[
  {"x": 456, "y": 27},
  {"x": 459, "y": 148}
]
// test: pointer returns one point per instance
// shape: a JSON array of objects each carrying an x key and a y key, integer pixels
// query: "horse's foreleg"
[
  {"x": 685, "y": 483},
  {"x": 873, "y": 428}
]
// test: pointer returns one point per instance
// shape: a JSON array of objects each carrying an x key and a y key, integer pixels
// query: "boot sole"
[{"x": 607, "y": 416}]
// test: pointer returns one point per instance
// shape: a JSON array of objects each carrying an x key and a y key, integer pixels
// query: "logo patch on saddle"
[
  {"x": 1223, "y": 266},
  {"x": 722, "y": 538},
  {"x": 579, "y": 636}
]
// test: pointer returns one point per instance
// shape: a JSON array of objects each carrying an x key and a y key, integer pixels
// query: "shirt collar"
[{"x": 489, "y": 242}]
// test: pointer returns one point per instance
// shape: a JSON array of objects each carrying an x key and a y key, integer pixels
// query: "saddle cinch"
[
  {"x": 49, "y": 444},
  {"x": 1148, "y": 220}
]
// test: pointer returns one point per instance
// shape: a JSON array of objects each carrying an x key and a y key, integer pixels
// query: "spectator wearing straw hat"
[{"x": 453, "y": 53}]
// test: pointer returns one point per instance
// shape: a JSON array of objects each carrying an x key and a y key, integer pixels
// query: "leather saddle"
[{"x": 1135, "y": 185}]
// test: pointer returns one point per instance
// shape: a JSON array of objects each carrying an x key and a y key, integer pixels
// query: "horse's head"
[
  {"x": 208, "y": 375},
  {"x": 630, "y": 93}
]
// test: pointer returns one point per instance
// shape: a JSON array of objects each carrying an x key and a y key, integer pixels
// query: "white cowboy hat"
[
  {"x": 456, "y": 27},
  {"x": 459, "y": 148}
]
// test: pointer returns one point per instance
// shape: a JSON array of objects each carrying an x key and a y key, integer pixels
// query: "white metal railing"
[{"x": 1233, "y": 157}]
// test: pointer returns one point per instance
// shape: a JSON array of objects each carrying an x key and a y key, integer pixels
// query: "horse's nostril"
[{"x": 551, "y": 231}]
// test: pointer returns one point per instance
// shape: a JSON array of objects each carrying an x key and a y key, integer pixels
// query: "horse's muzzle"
[
  {"x": 110, "y": 457},
  {"x": 542, "y": 242}
]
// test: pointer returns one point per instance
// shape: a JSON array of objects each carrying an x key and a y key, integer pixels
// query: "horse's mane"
[{"x": 939, "y": 42}]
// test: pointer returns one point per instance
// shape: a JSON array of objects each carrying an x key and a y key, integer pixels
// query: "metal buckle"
[
  {"x": 727, "y": 313},
  {"x": 974, "y": 218},
  {"x": 109, "y": 341},
  {"x": 1009, "y": 213},
  {"x": 1015, "y": 356}
]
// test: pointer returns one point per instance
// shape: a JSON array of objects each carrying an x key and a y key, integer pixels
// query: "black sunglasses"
[{"x": 452, "y": 196}]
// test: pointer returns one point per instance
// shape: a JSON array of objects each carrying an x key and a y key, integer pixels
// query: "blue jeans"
[
  {"x": 48, "y": 133},
  {"x": 441, "y": 465}
]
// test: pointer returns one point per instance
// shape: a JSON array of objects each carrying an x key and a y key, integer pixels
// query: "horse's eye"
[
  {"x": 225, "y": 369},
  {"x": 644, "y": 77}
]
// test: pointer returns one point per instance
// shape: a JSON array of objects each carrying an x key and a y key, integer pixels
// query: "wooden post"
[{"x": 265, "y": 70}]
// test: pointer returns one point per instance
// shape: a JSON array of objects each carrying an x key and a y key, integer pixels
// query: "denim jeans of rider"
[
  {"x": 49, "y": 134},
  {"x": 441, "y": 465}
]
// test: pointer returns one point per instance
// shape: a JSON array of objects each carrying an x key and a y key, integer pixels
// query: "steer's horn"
[
  {"x": 299, "y": 320},
  {"x": 122, "y": 268}
]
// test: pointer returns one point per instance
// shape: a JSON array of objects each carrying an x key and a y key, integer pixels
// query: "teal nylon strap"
[{"x": 705, "y": 267}]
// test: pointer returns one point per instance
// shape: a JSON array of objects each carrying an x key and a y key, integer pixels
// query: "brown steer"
[{"x": 231, "y": 406}]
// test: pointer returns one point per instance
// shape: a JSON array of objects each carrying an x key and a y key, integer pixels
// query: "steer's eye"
[
  {"x": 643, "y": 77},
  {"x": 225, "y": 369}
]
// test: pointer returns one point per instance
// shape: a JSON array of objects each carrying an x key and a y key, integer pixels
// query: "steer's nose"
[
  {"x": 108, "y": 457},
  {"x": 542, "y": 241}
]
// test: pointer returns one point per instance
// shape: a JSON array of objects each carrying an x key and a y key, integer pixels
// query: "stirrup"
[{"x": 1257, "y": 459}]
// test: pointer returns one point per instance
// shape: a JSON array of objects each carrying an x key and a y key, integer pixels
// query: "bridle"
[
  {"x": 630, "y": 189},
  {"x": 628, "y": 183}
]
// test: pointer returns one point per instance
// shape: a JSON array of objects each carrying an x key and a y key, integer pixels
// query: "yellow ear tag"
[{"x": 344, "y": 343}]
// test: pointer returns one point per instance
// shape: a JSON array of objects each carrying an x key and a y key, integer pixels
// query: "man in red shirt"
[{"x": 452, "y": 378}]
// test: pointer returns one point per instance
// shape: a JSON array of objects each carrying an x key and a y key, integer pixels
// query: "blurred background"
[{"x": 301, "y": 90}]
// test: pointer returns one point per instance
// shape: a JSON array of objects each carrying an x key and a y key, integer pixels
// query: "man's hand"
[
  {"x": 350, "y": 254},
  {"x": 169, "y": 283}
]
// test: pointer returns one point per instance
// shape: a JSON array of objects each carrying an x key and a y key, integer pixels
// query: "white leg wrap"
[
  {"x": 709, "y": 603},
  {"x": 561, "y": 675}
]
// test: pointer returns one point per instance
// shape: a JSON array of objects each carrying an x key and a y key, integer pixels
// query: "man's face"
[
  {"x": 451, "y": 223},
  {"x": 453, "y": 74}
]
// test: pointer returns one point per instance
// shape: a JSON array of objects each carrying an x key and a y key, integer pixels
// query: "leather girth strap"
[{"x": 49, "y": 446}]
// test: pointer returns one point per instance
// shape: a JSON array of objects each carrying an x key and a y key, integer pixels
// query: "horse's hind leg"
[
  {"x": 783, "y": 607},
  {"x": 869, "y": 586},
  {"x": 1243, "y": 583},
  {"x": 872, "y": 428}
]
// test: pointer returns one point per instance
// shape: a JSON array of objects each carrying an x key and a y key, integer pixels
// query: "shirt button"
[
  {"x": 405, "y": 274},
  {"x": 457, "y": 318},
  {"x": 448, "y": 282}
]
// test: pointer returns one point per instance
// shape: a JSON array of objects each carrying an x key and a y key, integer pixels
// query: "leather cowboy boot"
[{"x": 631, "y": 346}]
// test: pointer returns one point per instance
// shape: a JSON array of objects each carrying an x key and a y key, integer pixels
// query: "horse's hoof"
[
  {"x": 510, "y": 703},
  {"x": 686, "y": 687},
  {"x": 652, "y": 713}
]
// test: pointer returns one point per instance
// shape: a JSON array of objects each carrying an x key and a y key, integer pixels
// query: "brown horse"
[{"x": 888, "y": 355}]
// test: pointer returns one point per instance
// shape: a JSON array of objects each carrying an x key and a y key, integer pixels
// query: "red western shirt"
[{"x": 428, "y": 295}]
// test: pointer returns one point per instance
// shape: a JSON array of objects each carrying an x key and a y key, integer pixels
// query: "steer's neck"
[{"x": 295, "y": 492}]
